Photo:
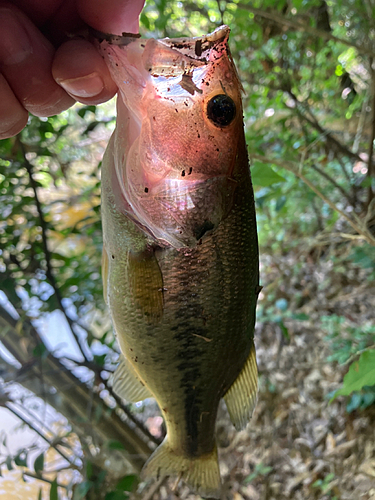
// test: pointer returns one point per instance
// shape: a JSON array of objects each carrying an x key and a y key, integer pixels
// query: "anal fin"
[
  {"x": 241, "y": 397},
  {"x": 127, "y": 385}
]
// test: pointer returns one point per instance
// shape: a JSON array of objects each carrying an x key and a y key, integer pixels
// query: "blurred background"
[{"x": 309, "y": 112}]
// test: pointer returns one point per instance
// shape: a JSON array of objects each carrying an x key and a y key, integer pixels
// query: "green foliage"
[
  {"x": 345, "y": 338},
  {"x": 39, "y": 463},
  {"x": 364, "y": 256},
  {"x": 346, "y": 342},
  {"x": 263, "y": 175},
  {"x": 361, "y": 374},
  {"x": 53, "y": 493},
  {"x": 326, "y": 485},
  {"x": 260, "y": 470}
]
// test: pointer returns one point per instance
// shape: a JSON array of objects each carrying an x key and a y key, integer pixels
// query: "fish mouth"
[{"x": 195, "y": 47}]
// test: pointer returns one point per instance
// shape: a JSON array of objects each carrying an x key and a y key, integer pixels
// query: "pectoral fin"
[
  {"x": 127, "y": 385},
  {"x": 105, "y": 273},
  {"x": 146, "y": 284},
  {"x": 242, "y": 395}
]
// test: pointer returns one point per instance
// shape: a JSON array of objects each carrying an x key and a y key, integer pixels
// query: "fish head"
[{"x": 178, "y": 128}]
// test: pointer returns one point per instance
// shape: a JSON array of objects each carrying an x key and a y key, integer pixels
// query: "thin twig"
[
  {"x": 358, "y": 353},
  {"x": 333, "y": 182},
  {"x": 273, "y": 16},
  {"x": 37, "y": 431},
  {"x": 370, "y": 166},
  {"x": 49, "y": 270},
  {"x": 42, "y": 478},
  {"x": 335, "y": 143},
  {"x": 97, "y": 370},
  {"x": 295, "y": 170}
]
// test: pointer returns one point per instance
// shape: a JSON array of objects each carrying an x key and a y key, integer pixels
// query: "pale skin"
[{"x": 45, "y": 66}]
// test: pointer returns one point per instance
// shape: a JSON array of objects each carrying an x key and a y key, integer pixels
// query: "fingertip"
[
  {"x": 13, "y": 116},
  {"x": 111, "y": 16},
  {"x": 80, "y": 70}
]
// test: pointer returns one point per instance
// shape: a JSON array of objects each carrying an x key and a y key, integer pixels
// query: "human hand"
[{"x": 44, "y": 72}]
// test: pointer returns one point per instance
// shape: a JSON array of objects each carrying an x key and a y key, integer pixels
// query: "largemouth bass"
[{"x": 180, "y": 257}]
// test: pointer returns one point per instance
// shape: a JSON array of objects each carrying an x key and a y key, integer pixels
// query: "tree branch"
[
  {"x": 74, "y": 396},
  {"x": 335, "y": 143},
  {"x": 333, "y": 182},
  {"x": 277, "y": 18},
  {"x": 49, "y": 269},
  {"x": 370, "y": 165},
  {"x": 42, "y": 478},
  {"x": 37, "y": 431},
  {"x": 294, "y": 168}
]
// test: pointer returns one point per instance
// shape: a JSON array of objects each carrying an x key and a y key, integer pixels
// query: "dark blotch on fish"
[
  {"x": 198, "y": 48},
  {"x": 201, "y": 230}
]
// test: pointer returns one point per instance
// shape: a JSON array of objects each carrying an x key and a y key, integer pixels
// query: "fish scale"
[{"x": 182, "y": 297}]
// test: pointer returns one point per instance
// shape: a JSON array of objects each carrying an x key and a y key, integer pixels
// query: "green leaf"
[
  {"x": 39, "y": 463},
  {"x": 40, "y": 494},
  {"x": 300, "y": 317},
  {"x": 82, "y": 489},
  {"x": 21, "y": 459},
  {"x": 53, "y": 494},
  {"x": 263, "y": 175},
  {"x": 126, "y": 483},
  {"x": 82, "y": 112},
  {"x": 40, "y": 351},
  {"x": 115, "y": 445},
  {"x": 360, "y": 374},
  {"x": 116, "y": 495},
  {"x": 8, "y": 463}
]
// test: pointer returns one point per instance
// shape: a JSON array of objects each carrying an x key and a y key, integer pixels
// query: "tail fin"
[{"x": 201, "y": 474}]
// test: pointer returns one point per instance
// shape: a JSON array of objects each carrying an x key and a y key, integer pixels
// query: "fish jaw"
[{"x": 173, "y": 164}]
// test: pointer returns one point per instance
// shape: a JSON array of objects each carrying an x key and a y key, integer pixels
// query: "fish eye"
[{"x": 221, "y": 110}]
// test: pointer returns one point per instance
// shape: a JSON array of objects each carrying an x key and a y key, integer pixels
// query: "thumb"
[{"x": 111, "y": 16}]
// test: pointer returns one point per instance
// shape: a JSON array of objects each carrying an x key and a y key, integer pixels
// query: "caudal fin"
[{"x": 201, "y": 474}]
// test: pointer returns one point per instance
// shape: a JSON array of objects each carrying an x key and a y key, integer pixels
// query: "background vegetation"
[{"x": 309, "y": 109}]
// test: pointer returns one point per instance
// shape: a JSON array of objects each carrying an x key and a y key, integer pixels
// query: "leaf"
[
  {"x": 115, "y": 445},
  {"x": 126, "y": 483},
  {"x": 53, "y": 494},
  {"x": 116, "y": 495},
  {"x": 39, "y": 463},
  {"x": 21, "y": 459},
  {"x": 82, "y": 112},
  {"x": 40, "y": 351},
  {"x": 8, "y": 462},
  {"x": 360, "y": 374},
  {"x": 40, "y": 497},
  {"x": 82, "y": 489},
  {"x": 263, "y": 175}
]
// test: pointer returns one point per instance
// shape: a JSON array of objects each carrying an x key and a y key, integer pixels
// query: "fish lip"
[{"x": 195, "y": 46}]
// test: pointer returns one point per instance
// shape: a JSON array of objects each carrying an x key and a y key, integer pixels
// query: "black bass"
[{"x": 180, "y": 257}]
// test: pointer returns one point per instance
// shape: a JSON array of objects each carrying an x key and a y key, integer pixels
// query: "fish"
[{"x": 180, "y": 250}]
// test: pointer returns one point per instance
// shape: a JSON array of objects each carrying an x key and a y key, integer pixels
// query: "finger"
[
  {"x": 13, "y": 115},
  {"x": 25, "y": 61},
  {"x": 111, "y": 16},
  {"x": 81, "y": 71},
  {"x": 39, "y": 11}
]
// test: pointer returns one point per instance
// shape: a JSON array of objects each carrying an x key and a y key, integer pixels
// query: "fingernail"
[
  {"x": 15, "y": 44},
  {"x": 86, "y": 86}
]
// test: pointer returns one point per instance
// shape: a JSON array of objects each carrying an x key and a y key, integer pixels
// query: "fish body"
[{"x": 180, "y": 253}]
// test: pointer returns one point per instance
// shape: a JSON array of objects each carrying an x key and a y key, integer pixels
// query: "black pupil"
[{"x": 221, "y": 110}]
